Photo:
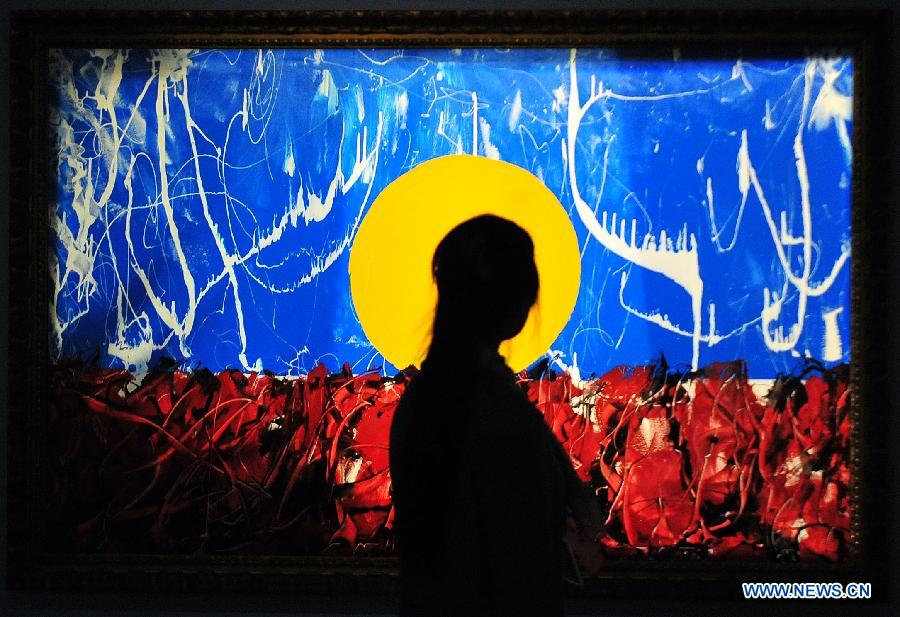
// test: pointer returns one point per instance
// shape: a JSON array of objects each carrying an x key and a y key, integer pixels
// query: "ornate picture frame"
[{"x": 35, "y": 565}]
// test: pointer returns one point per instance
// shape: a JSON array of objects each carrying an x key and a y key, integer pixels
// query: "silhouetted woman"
[{"x": 480, "y": 484}]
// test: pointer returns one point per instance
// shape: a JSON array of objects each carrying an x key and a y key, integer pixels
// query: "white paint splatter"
[
  {"x": 832, "y": 347},
  {"x": 328, "y": 91},
  {"x": 832, "y": 106},
  {"x": 768, "y": 123},
  {"x": 318, "y": 207},
  {"x": 515, "y": 111},
  {"x": 738, "y": 72},
  {"x": 490, "y": 150},
  {"x": 360, "y": 105},
  {"x": 559, "y": 98},
  {"x": 400, "y": 107},
  {"x": 289, "y": 166}
]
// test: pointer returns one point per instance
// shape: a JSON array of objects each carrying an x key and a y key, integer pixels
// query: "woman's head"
[{"x": 487, "y": 283}]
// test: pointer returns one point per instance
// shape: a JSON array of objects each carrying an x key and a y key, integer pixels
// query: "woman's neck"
[{"x": 460, "y": 354}]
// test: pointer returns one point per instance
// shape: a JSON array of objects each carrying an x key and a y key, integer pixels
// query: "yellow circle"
[{"x": 390, "y": 261}]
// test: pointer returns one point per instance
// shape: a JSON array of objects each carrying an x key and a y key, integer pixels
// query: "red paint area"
[{"x": 684, "y": 466}]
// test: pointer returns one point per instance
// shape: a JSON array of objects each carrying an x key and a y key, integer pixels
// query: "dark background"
[{"x": 133, "y": 604}]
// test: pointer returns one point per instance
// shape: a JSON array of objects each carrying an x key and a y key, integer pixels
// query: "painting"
[
  {"x": 214, "y": 388},
  {"x": 226, "y": 228}
]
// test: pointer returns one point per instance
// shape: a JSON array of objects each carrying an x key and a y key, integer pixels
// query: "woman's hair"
[{"x": 487, "y": 283}]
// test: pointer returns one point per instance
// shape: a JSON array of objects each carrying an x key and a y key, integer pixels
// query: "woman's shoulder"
[{"x": 487, "y": 395}]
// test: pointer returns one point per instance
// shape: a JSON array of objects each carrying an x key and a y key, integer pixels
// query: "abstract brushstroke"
[{"x": 683, "y": 465}]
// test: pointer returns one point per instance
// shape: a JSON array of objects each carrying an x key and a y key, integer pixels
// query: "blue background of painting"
[{"x": 652, "y": 175}]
